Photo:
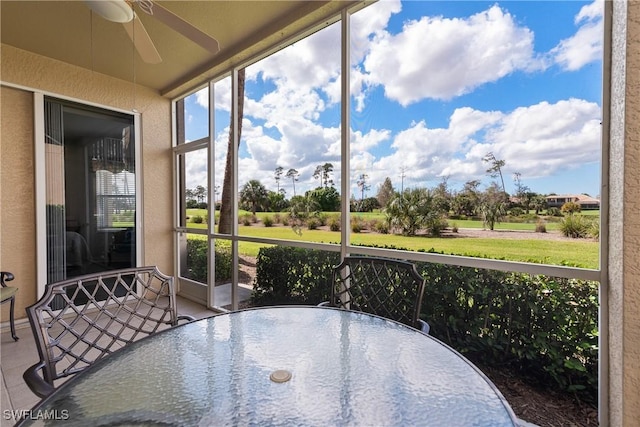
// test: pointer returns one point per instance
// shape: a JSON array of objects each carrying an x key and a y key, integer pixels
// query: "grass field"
[{"x": 578, "y": 252}]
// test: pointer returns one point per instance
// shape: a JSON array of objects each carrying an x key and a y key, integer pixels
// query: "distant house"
[{"x": 585, "y": 202}]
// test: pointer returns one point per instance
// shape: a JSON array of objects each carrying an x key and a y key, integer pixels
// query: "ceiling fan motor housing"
[{"x": 112, "y": 10}]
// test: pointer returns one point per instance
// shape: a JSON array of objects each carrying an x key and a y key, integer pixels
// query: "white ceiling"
[{"x": 68, "y": 31}]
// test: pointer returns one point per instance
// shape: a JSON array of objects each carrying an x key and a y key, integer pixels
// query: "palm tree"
[
  {"x": 539, "y": 203},
  {"x": 413, "y": 210},
  {"x": 225, "y": 223},
  {"x": 254, "y": 194}
]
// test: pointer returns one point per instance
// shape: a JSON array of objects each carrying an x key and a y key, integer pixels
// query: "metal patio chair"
[
  {"x": 380, "y": 286},
  {"x": 8, "y": 294},
  {"x": 81, "y": 320}
]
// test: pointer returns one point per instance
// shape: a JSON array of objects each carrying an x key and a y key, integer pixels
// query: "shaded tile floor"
[{"x": 17, "y": 356}]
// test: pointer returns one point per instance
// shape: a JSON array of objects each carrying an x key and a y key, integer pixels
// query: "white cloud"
[
  {"x": 222, "y": 94},
  {"x": 370, "y": 23},
  {"x": 440, "y": 58},
  {"x": 586, "y": 45},
  {"x": 538, "y": 140},
  {"x": 311, "y": 63},
  {"x": 286, "y": 126},
  {"x": 202, "y": 97},
  {"x": 362, "y": 142}
]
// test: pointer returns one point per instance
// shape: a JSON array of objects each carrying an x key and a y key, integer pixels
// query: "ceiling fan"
[{"x": 122, "y": 11}]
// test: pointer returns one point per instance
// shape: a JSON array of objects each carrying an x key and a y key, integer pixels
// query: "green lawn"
[
  {"x": 579, "y": 253},
  {"x": 518, "y": 226}
]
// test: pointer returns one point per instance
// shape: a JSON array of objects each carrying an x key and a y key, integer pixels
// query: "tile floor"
[{"x": 17, "y": 356}]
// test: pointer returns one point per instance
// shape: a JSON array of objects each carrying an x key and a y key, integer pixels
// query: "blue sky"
[{"x": 435, "y": 86}]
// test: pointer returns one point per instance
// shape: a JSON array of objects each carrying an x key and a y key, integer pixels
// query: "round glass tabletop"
[{"x": 312, "y": 366}]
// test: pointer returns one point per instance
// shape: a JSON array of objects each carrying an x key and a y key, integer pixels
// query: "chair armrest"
[
  {"x": 185, "y": 317},
  {"x": 424, "y": 326},
  {"x": 324, "y": 304},
  {"x": 40, "y": 387},
  {"x": 5, "y": 276}
]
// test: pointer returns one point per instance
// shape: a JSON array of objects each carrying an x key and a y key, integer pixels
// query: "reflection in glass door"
[{"x": 90, "y": 174}]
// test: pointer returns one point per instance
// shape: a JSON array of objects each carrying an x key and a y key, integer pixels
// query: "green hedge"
[
  {"x": 540, "y": 327},
  {"x": 197, "y": 260},
  {"x": 286, "y": 275}
]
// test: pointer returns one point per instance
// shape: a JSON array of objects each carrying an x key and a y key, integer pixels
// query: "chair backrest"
[
  {"x": 384, "y": 287},
  {"x": 81, "y": 320}
]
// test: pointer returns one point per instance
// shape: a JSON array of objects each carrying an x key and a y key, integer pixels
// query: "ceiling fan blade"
[
  {"x": 141, "y": 40},
  {"x": 183, "y": 27}
]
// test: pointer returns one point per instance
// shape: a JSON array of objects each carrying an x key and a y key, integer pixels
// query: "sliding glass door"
[{"x": 90, "y": 190}]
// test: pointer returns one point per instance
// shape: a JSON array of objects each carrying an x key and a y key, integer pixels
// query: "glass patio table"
[{"x": 311, "y": 366}]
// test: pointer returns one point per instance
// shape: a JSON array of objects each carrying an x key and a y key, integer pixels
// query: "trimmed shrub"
[
  {"x": 454, "y": 227},
  {"x": 246, "y": 219},
  {"x": 267, "y": 221},
  {"x": 516, "y": 211},
  {"x": 554, "y": 212},
  {"x": 287, "y": 275},
  {"x": 322, "y": 219},
  {"x": 334, "y": 223},
  {"x": 197, "y": 266},
  {"x": 357, "y": 224},
  {"x": 197, "y": 219},
  {"x": 381, "y": 227},
  {"x": 312, "y": 223},
  {"x": 541, "y": 227},
  {"x": 437, "y": 225},
  {"x": 541, "y": 327}
]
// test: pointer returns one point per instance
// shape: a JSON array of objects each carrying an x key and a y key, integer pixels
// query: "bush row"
[
  {"x": 541, "y": 327},
  {"x": 197, "y": 260},
  {"x": 286, "y": 275}
]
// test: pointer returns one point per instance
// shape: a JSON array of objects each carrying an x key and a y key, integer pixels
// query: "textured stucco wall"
[
  {"x": 17, "y": 202},
  {"x": 631, "y": 313},
  {"x": 17, "y": 217}
]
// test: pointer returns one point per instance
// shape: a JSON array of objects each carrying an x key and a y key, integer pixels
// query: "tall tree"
[
  {"x": 277, "y": 202},
  {"x": 323, "y": 173},
  {"x": 523, "y": 192},
  {"x": 466, "y": 201},
  {"x": 278, "y": 176},
  {"x": 362, "y": 185},
  {"x": 385, "y": 192},
  {"x": 200, "y": 193},
  {"x": 189, "y": 194},
  {"x": 317, "y": 174},
  {"x": 495, "y": 170},
  {"x": 226, "y": 220},
  {"x": 493, "y": 206},
  {"x": 442, "y": 195},
  {"x": 293, "y": 174}
]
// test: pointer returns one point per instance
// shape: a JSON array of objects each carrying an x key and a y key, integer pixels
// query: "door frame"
[{"x": 40, "y": 181}]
